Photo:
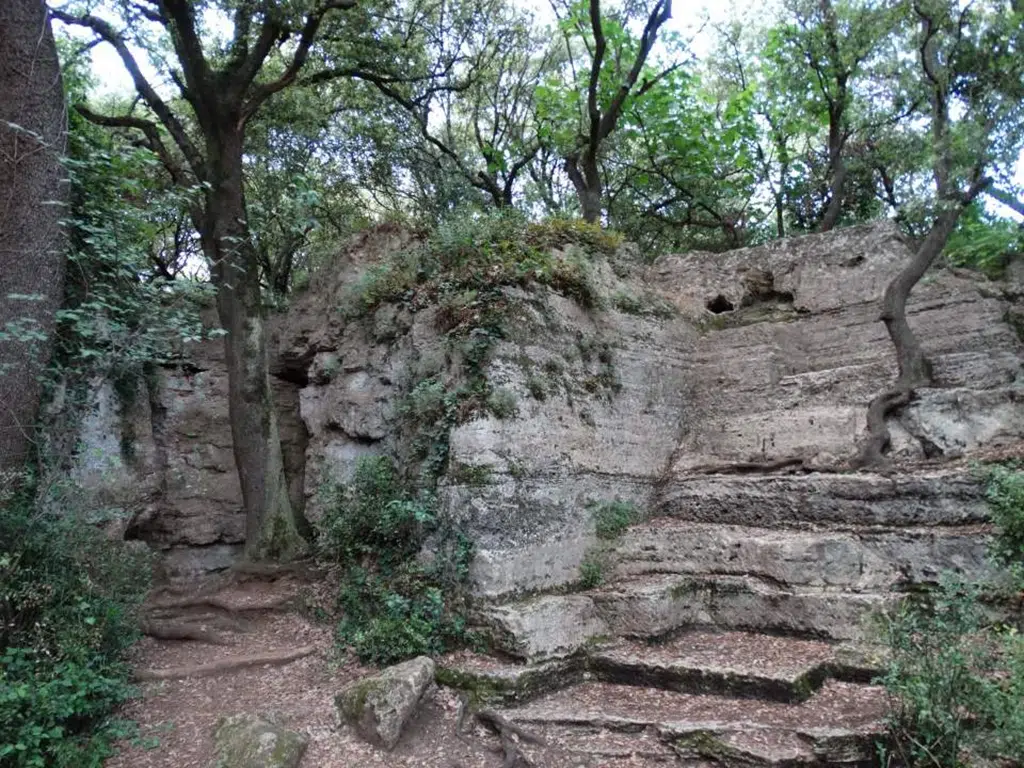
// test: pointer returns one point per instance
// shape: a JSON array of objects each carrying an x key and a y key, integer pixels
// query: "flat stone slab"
[
  {"x": 727, "y": 663},
  {"x": 652, "y": 606},
  {"x": 544, "y": 627},
  {"x": 857, "y": 558},
  {"x": 837, "y": 726},
  {"x": 488, "y": 679}
]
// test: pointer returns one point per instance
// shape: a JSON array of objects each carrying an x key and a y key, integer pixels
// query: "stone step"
[
  {"x": 653, "y": 606},
  {"x": 488, "y": 679},
  {"x": 838, "y": 726},
  {"x": 738, "y": 664},
  {"x": 924, "y": 498},
  {"x": 541, "y": 627},
  {"x": 859, "y": 559}
]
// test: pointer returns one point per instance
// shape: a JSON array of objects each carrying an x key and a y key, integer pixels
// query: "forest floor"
[{"x": 249, "y": 621}]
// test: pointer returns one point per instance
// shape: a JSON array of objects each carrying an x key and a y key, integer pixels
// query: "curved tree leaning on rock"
[{"x": 972, "y": 75}]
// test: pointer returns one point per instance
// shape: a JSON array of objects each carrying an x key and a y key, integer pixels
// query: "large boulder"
[
  {"x": 249, "y": 741},
  {"x": 378, "y": 707}
]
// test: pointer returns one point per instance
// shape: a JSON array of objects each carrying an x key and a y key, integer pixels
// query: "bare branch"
[
  {"x": 152, "y": 99},
  {"x": 309, "y": 31}
]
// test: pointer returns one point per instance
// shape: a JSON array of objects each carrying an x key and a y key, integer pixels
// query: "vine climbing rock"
[
  {"x": 249, "y": 741},
  {"x": 379, "y": 706}
]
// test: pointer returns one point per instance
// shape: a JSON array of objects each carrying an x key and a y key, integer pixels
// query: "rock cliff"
[
  {"x": 639, "y": 453},
  {"x": 694, "y": 377}
]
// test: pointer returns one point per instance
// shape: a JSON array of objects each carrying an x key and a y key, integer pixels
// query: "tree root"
[
  {"x": 872, "y": 451},
  {"x": 218, "y": 603},
  {"x": 183, "y": 631},
  {"x": 508, "y": 732},
  {"x": 225, "y": 665},
  {"x": 747, "y": 467}
]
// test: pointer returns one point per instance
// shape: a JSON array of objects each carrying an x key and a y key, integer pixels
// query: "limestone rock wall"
[
  {"x": 771, "y": 353},
  {"x": 159, "y": 453}
]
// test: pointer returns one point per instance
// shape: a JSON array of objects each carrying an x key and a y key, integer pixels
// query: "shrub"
[
  {"x": 956, "y": 678},
  {"x": 1005, "y": 495},
  {"x": 984, "y": 242},
  {"x": 67, "y": 607},
  {"x": 393, "y": 604},
  {"x": 502, "y": 403},
  {"x": 591, "y": 571},
  {"x": 469, "y": 259},
  {"x": 611, "y": 518}
]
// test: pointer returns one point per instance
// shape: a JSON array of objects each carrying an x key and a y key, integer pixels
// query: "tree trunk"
[
  {"x": 914, "y": 371},
  {"x": 835, "y": 203},
  {"x": 837, "y": 169},
  {"x": 586, "y": 178},
  {"x": 33, "y": 190},
  {"x": 271, "y": 525},
  {"x": 780, "y": 216}
]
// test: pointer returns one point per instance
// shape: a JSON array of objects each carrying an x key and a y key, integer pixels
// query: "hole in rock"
[{"x": 720, "y": 304}]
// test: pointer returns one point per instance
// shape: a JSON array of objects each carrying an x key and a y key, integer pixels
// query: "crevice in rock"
[
  {"x": 292, "y": 371},
  {"x": 719, "y": 304}
]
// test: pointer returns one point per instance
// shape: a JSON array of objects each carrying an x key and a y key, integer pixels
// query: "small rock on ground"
[
  {"x": 380, "y": 705},
  {"x": 248, "y": 741}
]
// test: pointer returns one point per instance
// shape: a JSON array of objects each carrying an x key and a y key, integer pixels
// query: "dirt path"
[{"x": 177, "y": 717}]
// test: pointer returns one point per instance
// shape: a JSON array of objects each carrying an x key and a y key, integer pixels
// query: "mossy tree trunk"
[{"x": 33, "y": 189}]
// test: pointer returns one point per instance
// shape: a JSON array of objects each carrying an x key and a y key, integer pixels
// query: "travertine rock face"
[
  {"x": 161, "y": 453},
  {"x": 772, "y": 354}
]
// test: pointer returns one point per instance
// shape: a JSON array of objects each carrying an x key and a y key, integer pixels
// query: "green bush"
[
  {"x": 955, "y": 677},
  {"x": 955, "y": 681},
  {"x": 67, "y": 608},
  {"x": 984, "y": 242},
  {"x": 394, "y": 605},
  {"x": 611, "y": 518},
  {"x": 463, "y": 265},
  {"x": 1005, "y": 495},
  {"x": 592, "y": 570}
]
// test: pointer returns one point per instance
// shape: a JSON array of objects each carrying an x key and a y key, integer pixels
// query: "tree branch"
[
  {"x": 152, "y": 99},
  {"x": 149, "y": 130},
  {"x": 661, "y": 13},
  {"x": 309, "y": 30},
  {"x": 1010, "y": 201},
  {"x": 600, "y": 45}
]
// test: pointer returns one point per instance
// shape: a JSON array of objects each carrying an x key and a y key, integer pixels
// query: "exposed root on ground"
[
  {"x": 170, "y": 630},
  {"x": 219, "y": 603},
  {"x": 226, "y": 665},
  {"x": 508, "y": 732}
]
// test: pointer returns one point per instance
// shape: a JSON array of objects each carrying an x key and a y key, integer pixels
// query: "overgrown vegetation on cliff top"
[
  {"x": 469, "y": 256},
  {"x": 956, "y": 676},
  {"x": 67, "y": 615}
]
